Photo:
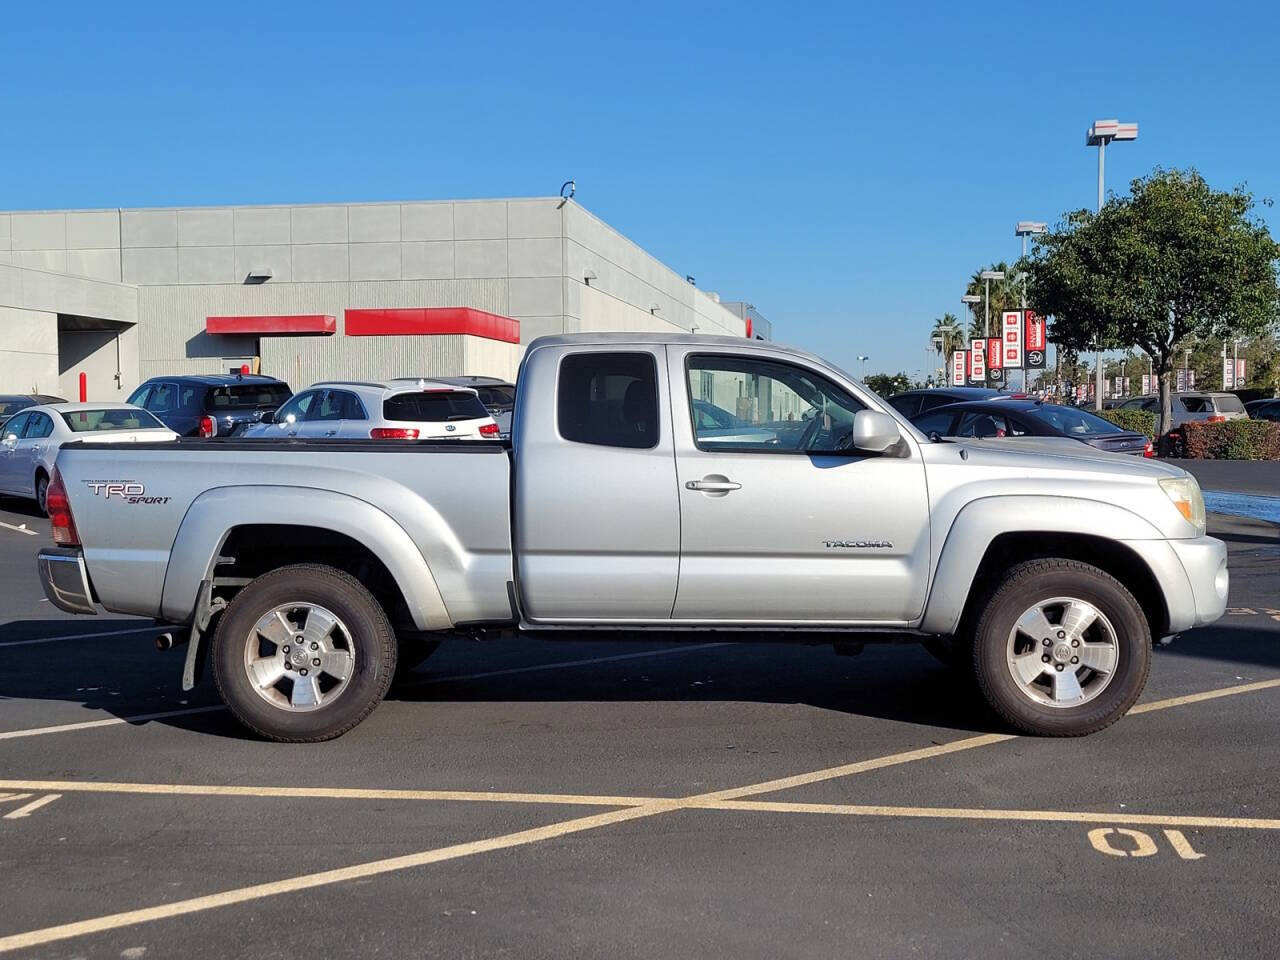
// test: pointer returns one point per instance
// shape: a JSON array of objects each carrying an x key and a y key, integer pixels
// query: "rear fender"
[{"x": 205, "y": 529}]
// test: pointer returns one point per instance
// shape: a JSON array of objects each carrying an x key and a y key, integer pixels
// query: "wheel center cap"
[
  {"x": 1062, "y": 652},
  {"x": 298, "y": 657}
]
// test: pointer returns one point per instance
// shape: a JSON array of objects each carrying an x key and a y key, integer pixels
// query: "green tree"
[
  {"x": 1006, "y": 294},
  {"x": 947, "y": 329},
  {"x": 886, "y": 385},
  {"x": 1175, "y": 260}
]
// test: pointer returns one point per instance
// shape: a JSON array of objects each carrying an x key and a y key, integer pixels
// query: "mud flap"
[{"x": 207, "y": 606}]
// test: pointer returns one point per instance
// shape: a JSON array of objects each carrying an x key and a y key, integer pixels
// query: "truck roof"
[{"x": 681, "y": 339}]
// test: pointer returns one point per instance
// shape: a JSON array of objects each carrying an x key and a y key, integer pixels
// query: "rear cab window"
[
  {"x": 434, "y": 406},
  {"x": 608, "y": 399}
]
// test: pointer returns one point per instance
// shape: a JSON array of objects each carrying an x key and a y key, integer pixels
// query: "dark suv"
[{"x": 214, "y": 405}]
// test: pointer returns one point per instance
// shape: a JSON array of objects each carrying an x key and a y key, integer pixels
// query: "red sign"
[
  {"x": 1035, "y": 331},
  {"x": 1011, "y": 326},
  {"x": 995, "y": 356},
  {"x": 977, "y": 361},
  {"x": 959, "y": 367}
]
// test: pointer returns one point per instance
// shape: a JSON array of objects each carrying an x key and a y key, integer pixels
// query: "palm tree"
[
  {"x": 1006, "y": 294},
  {"x": 948, "y": 330}
]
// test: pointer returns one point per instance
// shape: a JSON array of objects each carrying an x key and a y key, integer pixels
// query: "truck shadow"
[{"x": 121, "y": 676}]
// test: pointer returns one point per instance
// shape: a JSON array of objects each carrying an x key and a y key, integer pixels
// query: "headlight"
[{"x": 1185, "y": 494}]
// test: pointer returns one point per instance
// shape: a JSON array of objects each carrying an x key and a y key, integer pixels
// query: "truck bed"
[{"x": 446, "y": 501}]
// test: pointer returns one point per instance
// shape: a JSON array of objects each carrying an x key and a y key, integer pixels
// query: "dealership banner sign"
[
  {"x": 977, "y": 361},
  {"x": 995, "y": 361},
  {"x": 1011, "y": 325},
  {"x": 959, "y": 367},
  {"x": 1036, "y": 346}
]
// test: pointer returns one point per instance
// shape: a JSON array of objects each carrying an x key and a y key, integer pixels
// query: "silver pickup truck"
[{"x": 654, "y": 483}]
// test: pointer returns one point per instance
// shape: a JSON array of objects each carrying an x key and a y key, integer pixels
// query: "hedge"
[
  {"x": 1229, "y": 440},
  {"x": 1139, "y": 421}
]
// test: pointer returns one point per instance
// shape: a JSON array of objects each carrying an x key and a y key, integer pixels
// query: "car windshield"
[
  {"x": 497, "y": 396},
  {"x": 247, "y": 395},
  {"x": 94, "y": 421},
  {"x": 434, "y": 406},
  {"x": 10, "y": 405},
  {"x": 1071, "y": 421}
]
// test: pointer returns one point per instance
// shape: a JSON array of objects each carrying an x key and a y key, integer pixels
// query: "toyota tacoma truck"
[{"x": 654, "y": 484}]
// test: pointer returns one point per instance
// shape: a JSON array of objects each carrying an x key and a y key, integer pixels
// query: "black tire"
[
  {"x": 412, "y": 654},
  {"x": 42, "y": 492},
  {"x": 1038, "y": 580},
  {"x": 365, "y": 621}
]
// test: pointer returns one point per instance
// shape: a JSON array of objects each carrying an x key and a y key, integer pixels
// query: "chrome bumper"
[{"x": 65, "y": 580}]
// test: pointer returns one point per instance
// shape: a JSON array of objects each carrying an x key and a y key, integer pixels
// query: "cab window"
[
  {"x": 608, "y": 399},
  {"x": 38, "y": 427},
  {"x": 770, "y": 407}
]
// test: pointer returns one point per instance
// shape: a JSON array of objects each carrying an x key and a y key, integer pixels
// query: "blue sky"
[{"x": 843, "y": 168}]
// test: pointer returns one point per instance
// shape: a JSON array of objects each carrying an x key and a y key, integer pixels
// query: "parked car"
[
  {"x": 717, "y": 425},
  {"x": 912, "y": 402},
  {"x": 1031, "y": 418},
  {"x": 391, "y": 410},
  {"x": 1190, "y": 407},
  {"x": 210, "y": 405},
  {"x": 11, "y": 403},
  {"x": 498, "y": 397},
  {"x": 30, "y": 440},
  {"x": 1264, "y": 409},
  {"x": 612, "y": 513}
]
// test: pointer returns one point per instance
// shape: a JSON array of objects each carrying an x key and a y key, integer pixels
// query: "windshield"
[
  {"x": 1072, "y": 422},
  {"x": 90, "y": 421},
  {"x": 497, "y": 396},
  {"x": 247, "y": 395},
  {"x": 9, "y": 405},
  {"x": 434, "y": 406}
]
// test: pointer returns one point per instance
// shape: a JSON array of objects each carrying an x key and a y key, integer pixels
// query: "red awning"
[
  {"x": 420, "y": 321},
  {"x": 285, "y": 325}
]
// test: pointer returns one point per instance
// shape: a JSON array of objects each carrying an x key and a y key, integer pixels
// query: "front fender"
[
  {"x": 205, "y": 528},
  {"x": 981, "y": 521}
]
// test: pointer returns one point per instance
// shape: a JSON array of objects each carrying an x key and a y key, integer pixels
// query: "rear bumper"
[{"x": 65, "y": 579}]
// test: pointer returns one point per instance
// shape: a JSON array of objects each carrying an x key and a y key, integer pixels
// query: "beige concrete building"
[{"x": 429, "y": 287}]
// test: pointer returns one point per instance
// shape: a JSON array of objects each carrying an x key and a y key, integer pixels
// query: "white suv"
[{"x": 393, "y": 410}]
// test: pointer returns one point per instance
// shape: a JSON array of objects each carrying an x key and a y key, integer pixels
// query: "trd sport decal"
[{"x": 130, "y": 491}]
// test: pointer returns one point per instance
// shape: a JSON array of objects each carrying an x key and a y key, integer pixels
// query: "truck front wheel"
[
  {"x": 303, "y": 654},
  {"x": 1062, "y": 648}
]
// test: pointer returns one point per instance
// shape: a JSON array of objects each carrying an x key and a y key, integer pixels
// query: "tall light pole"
[
  {"x": 1024, "y": 229},
  {"x": 971, "y": 300},
  {"x": 1099, "y": 135},
  {"x": 987, "y": 276},
  {"x": 864, "y": 365}
]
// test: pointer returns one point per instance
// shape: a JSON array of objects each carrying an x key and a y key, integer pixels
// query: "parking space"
[{"x": 578, "y": 798}]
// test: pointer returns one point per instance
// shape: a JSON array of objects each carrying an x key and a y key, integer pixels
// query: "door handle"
[
  {"x": 712, "y": 486},
  {"x": 331, "y": 433}
]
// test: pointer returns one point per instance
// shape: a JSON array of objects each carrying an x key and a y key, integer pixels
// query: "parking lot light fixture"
[
  {"x": 1100, "y": 133},
  {"x": 987, "y": 276}
]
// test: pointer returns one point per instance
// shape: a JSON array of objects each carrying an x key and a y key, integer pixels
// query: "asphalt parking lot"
[{"x": 565, "y": 799}]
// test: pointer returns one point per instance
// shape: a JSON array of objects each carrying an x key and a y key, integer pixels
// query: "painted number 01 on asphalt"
[{"x": 1122, "y": 842}]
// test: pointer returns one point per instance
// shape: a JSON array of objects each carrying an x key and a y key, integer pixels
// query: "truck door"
[
  {"x": 597, "y": 531},
  {"x": 780, "y": 519}
]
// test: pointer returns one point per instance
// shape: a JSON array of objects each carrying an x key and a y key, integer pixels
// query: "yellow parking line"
[
  {"x": 109, "y": 722},
  {"x": 1207, "y": 695},
  {"x": 323, "y": 793},
  {"x": 968, "y": 813},
  {"x": 578, "y": 824}
]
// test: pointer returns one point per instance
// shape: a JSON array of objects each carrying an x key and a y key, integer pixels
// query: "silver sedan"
[{"x": 30, "y": 439}]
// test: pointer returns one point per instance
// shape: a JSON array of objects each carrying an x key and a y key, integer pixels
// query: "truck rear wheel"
[
  {"x": 303, "y": 654},
  {"x": 1062, "y": 648}
]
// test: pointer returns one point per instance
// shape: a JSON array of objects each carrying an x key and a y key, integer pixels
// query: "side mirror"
[
  {"x": 266, "y": 416},
  {"x": 874, "y": 432},
  {"x": 11, "y": 438}
]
